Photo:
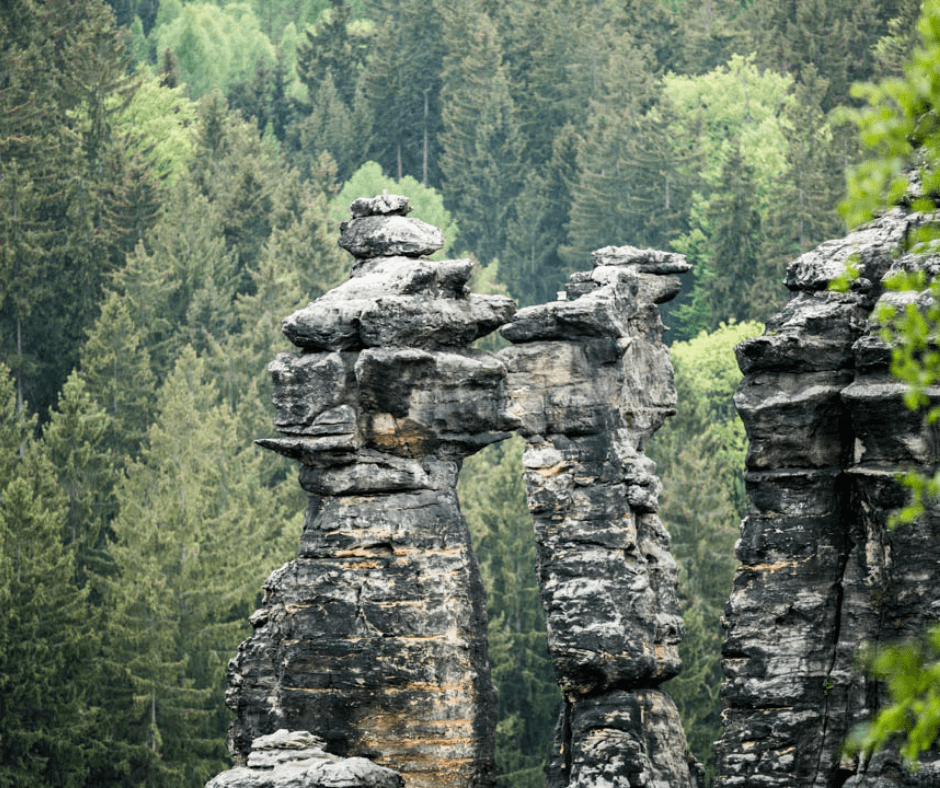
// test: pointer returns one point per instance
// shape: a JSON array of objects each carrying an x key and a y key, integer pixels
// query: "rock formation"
[
  {"x": 590, "y": 381},
  {"x": 821, "y": 574},
  {"x": 374, "y": 637},
  {"x": 297, "y": 759}
]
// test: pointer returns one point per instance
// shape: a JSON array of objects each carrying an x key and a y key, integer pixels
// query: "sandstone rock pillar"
[
  {"x": 590, "y": 381},
  {"x": 820, "y": 573},
  {"x": 374, "y": 637}
]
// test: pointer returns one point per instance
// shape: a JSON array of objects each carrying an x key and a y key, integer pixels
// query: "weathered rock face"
[
  {"x": 590, "y": 381},
  {"x": 374, "y": 637},
  {"x": 821, "y": 574},
  {"x": 297, "y": 759}
]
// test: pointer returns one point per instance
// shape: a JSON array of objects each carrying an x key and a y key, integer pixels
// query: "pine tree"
[
  {"x": 836, "y": 37},
  {"x": 699, "y": 454},
  {"x": 116, "y": 373},
  {"x": 332, "y": 50},
  {"x": 739, "y": 285},
  {"x": 46, "y": 636},
  {"x": 402, "y": 87},
  {"x": 631, "y": 186},
  {"x": 75, "y": 439},
  {"x": 73, "y": 201},
  {"x": 193, "y": 537}
]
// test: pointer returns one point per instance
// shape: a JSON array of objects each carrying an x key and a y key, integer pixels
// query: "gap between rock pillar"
[
  {"x": 374, "y": 637},
  {"x": 590, "y": 381}
]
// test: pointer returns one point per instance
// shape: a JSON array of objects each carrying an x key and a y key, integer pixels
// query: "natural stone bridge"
[{"x": 374, "y": 638}]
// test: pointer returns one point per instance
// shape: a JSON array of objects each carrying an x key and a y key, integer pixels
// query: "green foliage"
[
  {"x": 402, "y": 87},
  {"x": 426, "y": 202},
  {"x": 901, "y": 128},
  {"x": 482, "y": 158},
  {"x": 46, "y": 642},
  {"x": 911, "y": 672},
  {"x": 194, "y": 538},
  {"x": 735, "y": 107},
  {"x": 159, "y": 123},
  {"x": 215, "y": 46}
]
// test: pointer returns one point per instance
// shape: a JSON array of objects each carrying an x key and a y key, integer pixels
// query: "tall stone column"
[
  {"x": 374, "y": 637},
  {"x": 590, "y": 381},
  {"x": 820, "y": 573}
]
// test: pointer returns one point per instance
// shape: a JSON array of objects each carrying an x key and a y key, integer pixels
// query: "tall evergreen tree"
[
  {"x": 194, "y": 521},
  {"x": 836, "y": 37},
  {"x": 67, "y": 190},
  {"x": 46, "y": 637},
  {"x": 738, "y": 285},
  {"x": 402, "y": 87},
  {"x": 631, "y": 186},
  {"x": 482, "y": 159}
]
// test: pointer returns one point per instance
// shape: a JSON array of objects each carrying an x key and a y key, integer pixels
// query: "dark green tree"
[
  {"x": 482, "y": 159},
  {"x": 193, "y": 536},
  {"x": 836, "y": 37},
  {"x": 631, "y": 185},
  {"x": 699, "y": 454},
  {"x": 67, "y": 184},
  {"x": 46, "y": 636},
  {"x": 402, "y": 87}
]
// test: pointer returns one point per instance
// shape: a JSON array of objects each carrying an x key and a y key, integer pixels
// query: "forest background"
[{"x": 172, "y": 175}]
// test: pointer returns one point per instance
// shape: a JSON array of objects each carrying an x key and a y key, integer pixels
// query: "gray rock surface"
[
  {"x": 374, "y": 637},
  {"x": 590, "y": 381},
  {"x": 388, "y": 235},
  {"x": 297, "y": 759},
  {"x": 820, "y": 573}
]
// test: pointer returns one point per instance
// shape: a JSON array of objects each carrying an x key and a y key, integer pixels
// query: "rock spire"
[
  {"x": 820, "y": 573},
  {"x": 373, "y": 639},
  {"x": 590, "y": 381}
]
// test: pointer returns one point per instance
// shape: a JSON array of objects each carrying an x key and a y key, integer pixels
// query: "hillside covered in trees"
[{"x": 172, "y": 175}]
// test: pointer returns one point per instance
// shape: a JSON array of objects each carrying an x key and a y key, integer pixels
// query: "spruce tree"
[
  {"x": 402, "y": 87},
  {"x": 46, "y": 636},
  {"x": 193, "y": 537},
  {"x": 632, "y": 179},
  {"x": 482, "y": 159}
]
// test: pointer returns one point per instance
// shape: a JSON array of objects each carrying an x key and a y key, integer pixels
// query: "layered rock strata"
[
  {"x": 374, "y": 637},
  {"x": 590, "y": 381},
  {"x": 820, "y": 573}
]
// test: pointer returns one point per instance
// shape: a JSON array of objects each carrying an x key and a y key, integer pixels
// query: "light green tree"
[{"x": 215, "y": 45}]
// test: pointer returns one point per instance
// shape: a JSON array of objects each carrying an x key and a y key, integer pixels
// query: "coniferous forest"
[{"x": 172, "y": 176}]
